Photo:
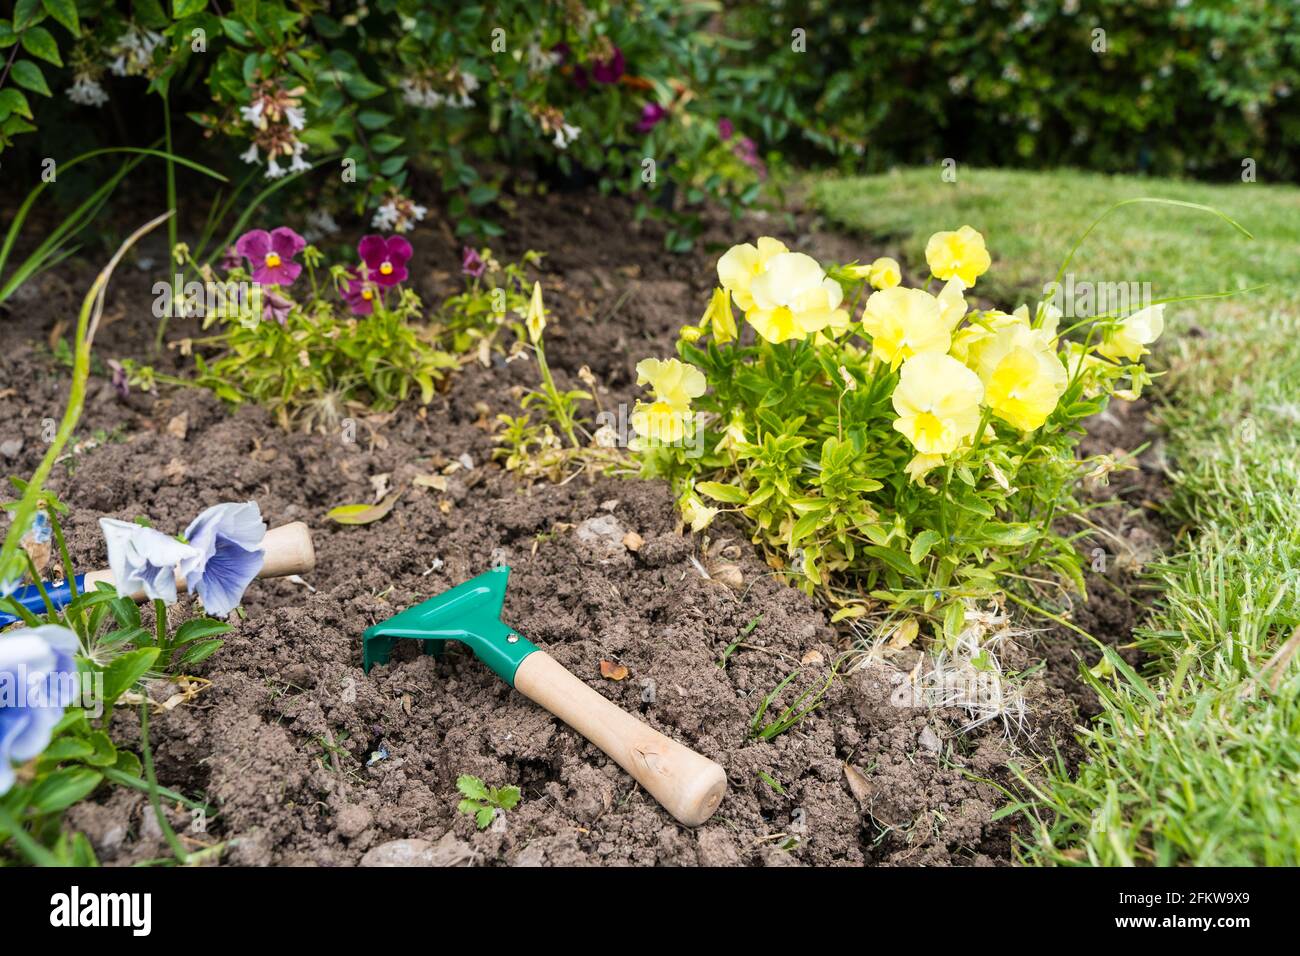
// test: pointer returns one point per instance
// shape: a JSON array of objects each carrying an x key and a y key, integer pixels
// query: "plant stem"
[
  {"x": 172, "y": 227},
  {"x": 147, "y": 758},
  {"x": 35, "y": 852},
  {"x": 160, "y": 623}
]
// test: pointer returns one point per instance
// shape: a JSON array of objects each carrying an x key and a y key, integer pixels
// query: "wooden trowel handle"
[{"x": 688, "y": 785}]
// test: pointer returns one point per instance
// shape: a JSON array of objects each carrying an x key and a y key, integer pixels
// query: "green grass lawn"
[{"x": 1196, "y": 761}]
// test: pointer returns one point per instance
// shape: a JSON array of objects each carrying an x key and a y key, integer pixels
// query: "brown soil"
[{"x": 283, "y": 740}]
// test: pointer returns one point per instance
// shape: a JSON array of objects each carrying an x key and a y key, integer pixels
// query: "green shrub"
[
  {"x": 613, "y": 93},
  {"x": 1182, "y": 86}
]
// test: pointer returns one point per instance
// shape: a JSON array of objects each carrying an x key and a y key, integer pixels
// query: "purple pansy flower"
[
  {"x": 651, "y": 114},
  {"x": 230, "y": 259},
  {"x": 143, "y": 559},
  {"x": 726, "y": 129},
  {"x": 275, "y": 306},
  {"x": 609, "y": 70},
  {"x": 228, "y": 554},
  {"x": 385, "y": 258},
  {"x": 38, "y": 669},
  {"x": 471, "y": 263},
  {"x": 118, "y": 379},
  {"x": 270, "y": 254},
  {"x": 360, "y": 293}
]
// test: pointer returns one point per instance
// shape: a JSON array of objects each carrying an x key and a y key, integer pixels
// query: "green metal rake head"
[{"x": 469, "y": 613}]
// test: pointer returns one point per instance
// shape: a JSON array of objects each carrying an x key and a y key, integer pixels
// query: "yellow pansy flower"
[
  {"x": 1130, "y": 338},
  {"x": 884, "y": 273},
  {"x": 959, "y": 254},
  {"x": 938, "y": 403},
  {"x": 718, "y": 316},
  {"x": 660, "y": 421},
  {"x": 741, "y": 265},
  {"x": 1023, "y": 377},
  {"x": 672, "y": 381},
  {"x": 905, "y": 322},
  {"x": 793, "y": 298},
  {"x": 536, "y": 320},
  {"x": 952, "y": 304},
  {"x": 696, "y": 512},
  {"x": 921, "y": 465}
]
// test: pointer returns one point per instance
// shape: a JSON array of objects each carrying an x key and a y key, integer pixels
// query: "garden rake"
[{"x": 686, "y": 784}]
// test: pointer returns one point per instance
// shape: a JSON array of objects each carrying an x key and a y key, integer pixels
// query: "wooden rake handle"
[{"x": 687, "y": 785}]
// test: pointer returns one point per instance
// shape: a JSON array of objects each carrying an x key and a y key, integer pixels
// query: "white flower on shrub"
[
  {"x": 398, "y": 214},
  {"x": 133, "y": 51},
  {"x": 565, "y": 135},
  {"x": 86, "y": 91}
]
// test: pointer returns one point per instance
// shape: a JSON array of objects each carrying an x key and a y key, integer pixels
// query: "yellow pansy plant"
[
  {"x": 905, "y": 322},
  {"x": 891, "y": 448},
  {"x": 958, "y": 255},
  {"x": 741, "y": 265},
  {"x": 938, "y": 403}
]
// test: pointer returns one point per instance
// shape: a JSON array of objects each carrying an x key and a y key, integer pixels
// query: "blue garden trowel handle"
[{"x": 29, "y": 597}]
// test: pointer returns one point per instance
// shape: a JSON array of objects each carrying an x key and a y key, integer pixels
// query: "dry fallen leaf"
[
  {"x": 436, "y": 482},
  {"x": 858, "y": 785},
  {"x": 363, "y": 514},
  {"x": 812, "y": 657},
  {"x": 905, "y": 634},
  {"x": 179, "y": 425},
  {"x": 728, "y": 574},
  {"x": 633, "y": 541},
  {"x": 611, "y": 671}
]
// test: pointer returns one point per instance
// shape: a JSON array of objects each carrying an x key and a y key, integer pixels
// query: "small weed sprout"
[{"x": 482, "y": 802}]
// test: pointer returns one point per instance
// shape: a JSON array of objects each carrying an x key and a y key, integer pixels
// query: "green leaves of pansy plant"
[{"x": 891, "y": 449}]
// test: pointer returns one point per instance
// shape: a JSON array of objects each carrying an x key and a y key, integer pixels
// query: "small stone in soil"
[{"x": 449, "y": 851}]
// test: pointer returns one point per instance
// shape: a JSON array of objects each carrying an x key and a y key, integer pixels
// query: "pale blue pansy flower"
[
  {"x": 227, "y": 540},
  {"x": 143, "y": 559},
  {"x": 38, "y": 679}
]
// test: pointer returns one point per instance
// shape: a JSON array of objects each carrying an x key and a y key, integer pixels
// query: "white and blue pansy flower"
[{"x": 227, "y": 540}]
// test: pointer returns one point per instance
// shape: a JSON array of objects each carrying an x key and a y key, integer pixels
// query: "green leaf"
[
  {"x": 29, "y": 76},
  {"x": 26, "y": 13},
  {"x": 508, "y": 797},
  {"x": 721, "y": 492},
  {"x": 67, "y": 748},
  {"x": 236, "y": 31},
  {"x": 63, "y": 788},
  {"x": 38, "y": 41},
  {"x": 954, "y": 618},
  {"x": 386, "y": 143},
  {"x": 373, "y": 119},
  {"x": 185, "y": 8},
  {"x": 484, "y": 817},
  {"x": 122, "y": 674},
  {"x": 472, "y": 787},
  {"x": 11, "y": 102},
  {"x": 363, "y": 514},
  {"x": 105, "y": 751},
  {"x": 198, "y": 628},
  {"x": 150, "y": 13},
  {"x": 65, "y": 11},
  {"x": 196, "y": 653},
  {"x": 922, "y": 544}
]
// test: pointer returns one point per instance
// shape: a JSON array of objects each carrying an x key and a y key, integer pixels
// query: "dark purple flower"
[
  {"x": 275, "y": 306},
  {"x": 726, "y": 129},
  {"x": 230, "y": 259},
  {"x": 747, "y": 151},
  {"x": 471, "y": 263},
  {"x": 651, "y": 114},
  {"x": 563, "y": 49},
  {"x": 610, "y": 70},
  {"x": 360, "y": 293},
  {"x": 385, "y": 258},
  {"x": 270, "y": 255},
  {"x": 118, "y": 379}
]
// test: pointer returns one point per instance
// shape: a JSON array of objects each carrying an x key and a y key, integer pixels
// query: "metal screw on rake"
[{"x": 687, "y": 784}]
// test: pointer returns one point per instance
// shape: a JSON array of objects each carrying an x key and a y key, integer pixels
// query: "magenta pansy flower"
[
  {"x": 726, "y": 129},
  {"x": 385, "y": 258},
  {"x": 270, "y": 254},
  {"x": 651, "y": 114},
  {"x": 360, "y": 293},
  {"x": 275, "y": 306},
  {"x": 608, "y": 71},
  {"x": 471, "y": 263}
]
